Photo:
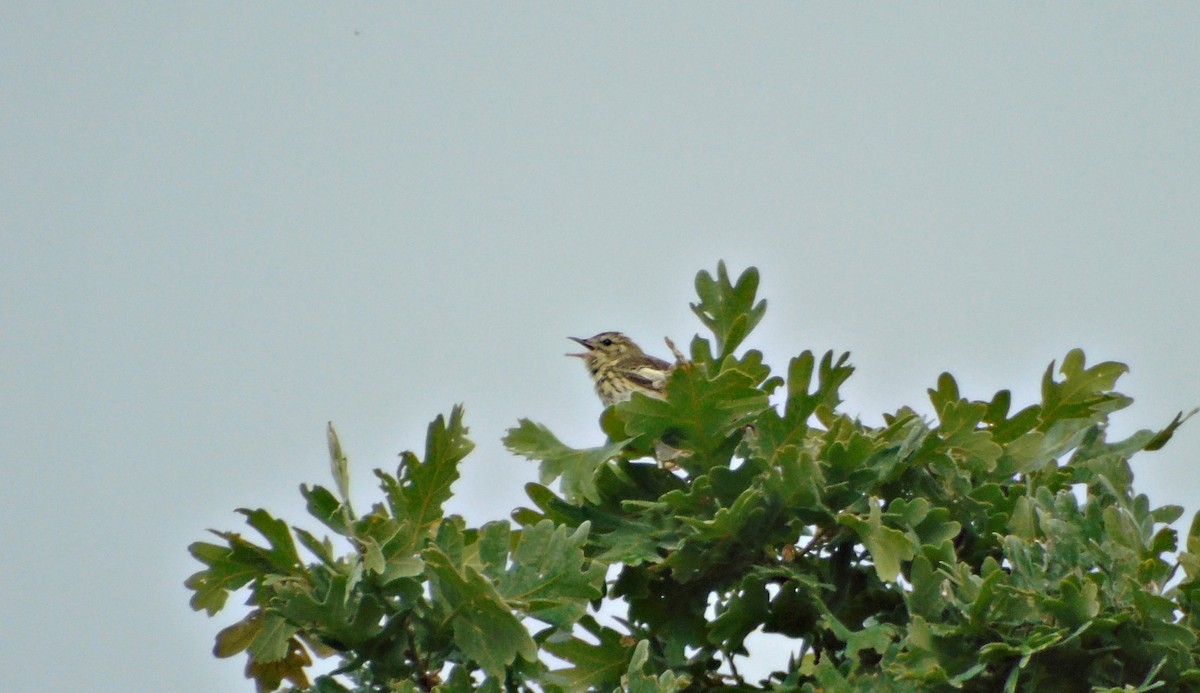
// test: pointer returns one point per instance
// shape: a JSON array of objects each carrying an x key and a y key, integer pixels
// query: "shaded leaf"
[
  {"x": 269, "y": 675},
  {"x": 484, "y": 627},
  {"x": 224, "y": 574},
  {"x": 282, "y": 553},
  {"x": 335, "y": 610},
  {"x": 273, "y": 641},
  {"x": 746, "y": 610},
  {"x": 1162, "y": 437},
  {"x": 593, "y": 666},
  {"x": 636, "y": 680},
  {"x": 237, "y": 637}
]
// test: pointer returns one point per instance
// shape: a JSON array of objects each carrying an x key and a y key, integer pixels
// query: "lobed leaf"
[
  {"x": 484, "y": 627},
  {"x": 576, "y": 468},
  {"x": 888, "y": 546},
  {"x": 728, "y": 309},
  {"x": 699, "y": 414},
  {"x": 593, "y": 666}
]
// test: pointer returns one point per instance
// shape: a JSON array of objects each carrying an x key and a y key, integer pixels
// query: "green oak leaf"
[
  {"x": 888, "y": 546},
  {"x": 594, "y": 666},
  {"x": 727, "y": 308},
  {"x": 547, "y": 576},
  {"x": 485, "y": 628},
  {"x": 699, "y": 413},
  {"x": 576, "y": 468}
]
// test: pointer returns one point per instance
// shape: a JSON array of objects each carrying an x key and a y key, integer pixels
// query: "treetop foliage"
[{"x": 981, "y": 549}]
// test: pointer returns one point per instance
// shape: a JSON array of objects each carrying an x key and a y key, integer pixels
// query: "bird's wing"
[
  {"x": 652, "y": 381},
  {"x": 649, "y": 376}
]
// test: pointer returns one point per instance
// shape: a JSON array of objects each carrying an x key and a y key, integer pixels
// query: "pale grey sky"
[{"x": 225, "y": 224}]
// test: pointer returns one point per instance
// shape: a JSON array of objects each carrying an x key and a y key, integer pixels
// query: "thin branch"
[{"x": 821, "y": 535}]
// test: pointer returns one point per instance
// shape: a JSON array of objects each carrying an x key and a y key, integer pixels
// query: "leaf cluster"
[
  {"x": 417, "y": 595},
  {"x": 979, "y": 549}
]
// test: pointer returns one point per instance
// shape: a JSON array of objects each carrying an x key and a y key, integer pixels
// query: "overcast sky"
[{"x": 226, "y": 224}]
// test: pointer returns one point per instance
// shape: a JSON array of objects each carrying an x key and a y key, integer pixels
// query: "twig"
[
  {"x": 733, "y": 667},
  {"x": 819, "y": 536},
  {"x": 425, "y": 678},
  {"x": 679, "y": 357}
]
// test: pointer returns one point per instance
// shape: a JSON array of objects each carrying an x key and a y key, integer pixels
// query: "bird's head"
[{"x": 606, "y": 347}]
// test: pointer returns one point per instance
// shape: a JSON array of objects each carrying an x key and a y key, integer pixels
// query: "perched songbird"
[{"x": 620, "y": 368}]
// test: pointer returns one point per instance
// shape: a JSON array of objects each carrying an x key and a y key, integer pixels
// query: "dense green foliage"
[{"x": 984, "y": 550}]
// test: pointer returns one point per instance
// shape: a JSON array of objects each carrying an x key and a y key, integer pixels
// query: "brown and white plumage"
[{"x": 620, "y": 368}]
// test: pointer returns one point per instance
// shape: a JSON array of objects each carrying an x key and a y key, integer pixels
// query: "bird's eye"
[{"x": 606, "y": 342}]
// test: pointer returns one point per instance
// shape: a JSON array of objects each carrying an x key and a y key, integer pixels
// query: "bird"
[{"x": 620, "y": 368}]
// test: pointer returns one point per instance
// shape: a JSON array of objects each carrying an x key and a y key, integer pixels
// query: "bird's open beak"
[{"x": 585, "y": 344}]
